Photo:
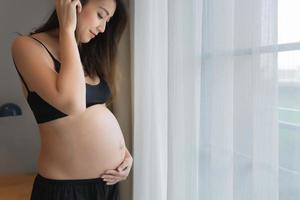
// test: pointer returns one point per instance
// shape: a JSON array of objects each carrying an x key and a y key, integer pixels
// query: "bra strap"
[
  {"x": 45, "y": 48},
  {"x": 56, "y": 62}
]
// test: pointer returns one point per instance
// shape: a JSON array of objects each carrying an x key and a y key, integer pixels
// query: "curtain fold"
[
  {"x": 150, "y": 96},
  {"x": 166, "y": 49},
  {"x": 184, "y": 69}
]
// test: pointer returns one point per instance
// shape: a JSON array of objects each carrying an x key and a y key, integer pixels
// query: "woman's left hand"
[{"x": 115, "y": 175}]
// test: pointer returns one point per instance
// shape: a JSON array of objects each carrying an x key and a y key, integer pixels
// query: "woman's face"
[{"x": 93, "y": 18}]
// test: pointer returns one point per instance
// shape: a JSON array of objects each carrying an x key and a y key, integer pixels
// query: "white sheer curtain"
[
  {"x": 239, "y": 136},
  {"x": 228, "y": 149},
  {"x": 166, "y": 53}
]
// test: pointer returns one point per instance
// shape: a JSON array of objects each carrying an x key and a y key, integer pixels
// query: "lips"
[{"x": 93, "y": 33}]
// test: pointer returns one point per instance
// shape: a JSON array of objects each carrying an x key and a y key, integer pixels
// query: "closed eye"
[{"x": 100, "y": 16}]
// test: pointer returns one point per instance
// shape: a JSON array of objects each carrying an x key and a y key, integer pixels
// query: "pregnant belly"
[{"x": 83, "y": 146}]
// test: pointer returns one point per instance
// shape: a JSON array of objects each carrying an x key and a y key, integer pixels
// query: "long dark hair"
[{"x": 99, "y": 55}]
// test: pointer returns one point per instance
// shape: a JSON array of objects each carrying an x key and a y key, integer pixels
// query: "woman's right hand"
[{"x": 67, "y": 14}]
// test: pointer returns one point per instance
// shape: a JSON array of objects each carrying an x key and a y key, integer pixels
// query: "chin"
[{"x": 85, "y": 40}]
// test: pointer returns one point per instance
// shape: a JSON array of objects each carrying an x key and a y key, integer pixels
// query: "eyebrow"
[{"x": 105, "y": 10}]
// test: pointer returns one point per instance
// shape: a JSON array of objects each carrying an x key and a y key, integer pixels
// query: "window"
[{"x": 289, "y": 98}]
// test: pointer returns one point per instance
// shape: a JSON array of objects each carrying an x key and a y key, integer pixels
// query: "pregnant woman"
[{"x": 67, "y": 67}]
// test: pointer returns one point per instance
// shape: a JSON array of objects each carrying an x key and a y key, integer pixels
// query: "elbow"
[
  {"x": 76, "y": 108},
  {"x": 72, "y": 105}
]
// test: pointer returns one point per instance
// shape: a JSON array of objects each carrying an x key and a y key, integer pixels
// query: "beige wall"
[
  {"x": 122, "y": 105},
  {"x": 19, "y": 141}
]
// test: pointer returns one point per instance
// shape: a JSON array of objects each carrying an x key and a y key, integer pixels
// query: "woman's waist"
[
  {"x": 82, "y": 161},
  {"x": 65, "y": 147}
]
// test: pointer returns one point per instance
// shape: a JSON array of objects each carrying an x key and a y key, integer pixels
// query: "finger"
[
  {"x": 77, "y": 4},
  {"x": 109, "y": 177},
  {"x": 112, "y": 180},
  {"x": 119, "y": 175},
  {"x": 112, "y": 172},
  {"x": 74, "y": 2},
  {"x": 106, "y": 176},
  {"x": 126, "y": 170},
  {"x": 123, "y": 166},
  {"x": 117, "y": 180},
  {"x": 122, "y": 175},
  {"x": 111, "y": 183}
]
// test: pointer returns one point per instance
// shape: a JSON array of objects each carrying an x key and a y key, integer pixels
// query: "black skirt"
[{"x": 76, "y": 189}]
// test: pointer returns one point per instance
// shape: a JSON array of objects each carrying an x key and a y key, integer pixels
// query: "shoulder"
[
  {"x": 22, "y": 48},
  {"x": 28, "y": 41},
  {"x": 24, "y": 44},
  {"x": 20, "y": 42},
  {"x": 26, "y": 53}
]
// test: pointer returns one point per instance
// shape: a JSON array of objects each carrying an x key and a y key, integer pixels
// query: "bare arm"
[
  {"x": 32, "y": 61},
  {"x": 65, "y": 90},
  {"x": 70, "y": 80}
]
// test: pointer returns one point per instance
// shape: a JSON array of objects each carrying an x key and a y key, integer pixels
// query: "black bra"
[{"x": 44, "y": 112}]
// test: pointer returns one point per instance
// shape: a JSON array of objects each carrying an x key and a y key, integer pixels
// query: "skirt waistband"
[{"x": 42, "y": 179}]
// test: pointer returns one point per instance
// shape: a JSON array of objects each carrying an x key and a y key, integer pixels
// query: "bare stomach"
[{"x": 81, "y": 146}]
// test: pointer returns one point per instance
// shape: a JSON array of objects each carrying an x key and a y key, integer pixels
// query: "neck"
[{"x": 55, "y": 34}]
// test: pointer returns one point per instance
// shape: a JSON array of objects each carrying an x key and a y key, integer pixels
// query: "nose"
[{"x": 101, "y": 27}]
